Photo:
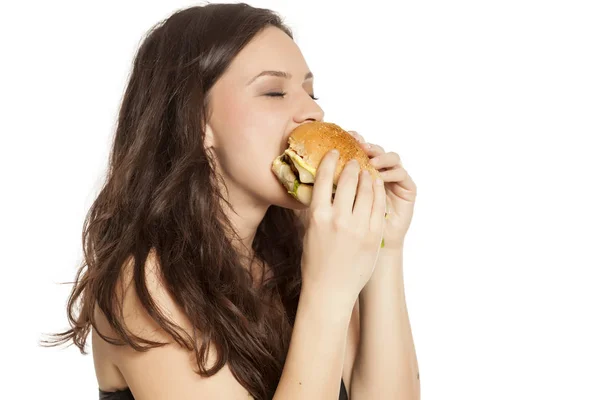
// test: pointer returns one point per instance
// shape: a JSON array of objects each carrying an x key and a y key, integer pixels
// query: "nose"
[{"x": 308, "y": 110}]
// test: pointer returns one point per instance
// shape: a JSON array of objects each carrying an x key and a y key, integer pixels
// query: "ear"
[{"x": 209, "y": 137}]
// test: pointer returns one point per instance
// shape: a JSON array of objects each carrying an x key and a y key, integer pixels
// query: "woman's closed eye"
[{"x": 281, "y": 94}]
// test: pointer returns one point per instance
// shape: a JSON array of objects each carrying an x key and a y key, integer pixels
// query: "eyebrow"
[{"x": 280, "y": 74}]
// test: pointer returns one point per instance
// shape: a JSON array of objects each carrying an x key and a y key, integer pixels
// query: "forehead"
[{"x": 271, "y": 49}]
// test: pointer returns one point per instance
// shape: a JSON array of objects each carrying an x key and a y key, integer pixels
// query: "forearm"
[
  {"x": 386, "y": 363},
  {"x": 313, "y": 367}
]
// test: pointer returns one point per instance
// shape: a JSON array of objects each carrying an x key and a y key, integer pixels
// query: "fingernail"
[
  {"x": 379, "y": 182},
  {"x": 335, "y": 152}
]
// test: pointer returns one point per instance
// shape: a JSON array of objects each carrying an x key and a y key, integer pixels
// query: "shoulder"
[
  {"x": 135, "y": 315},
  {"x": 169, "y": 371}
]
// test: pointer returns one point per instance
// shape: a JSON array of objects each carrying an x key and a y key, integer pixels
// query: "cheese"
[{"x": 306, "y": 172}]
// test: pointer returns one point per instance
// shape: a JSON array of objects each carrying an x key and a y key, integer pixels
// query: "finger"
[
  {"x": 401, "y": 177},
  {"x": 378, "y": 207},
  {"x": 386, "y": 160},
  {"x": 371, "y": 149},
  {"x": 346, "y": 188},
  {"x": 397, "y": 174},
  {"x": 357, "y": 136},
  {"x": 364, "y": 197},
  {"x": 323, "y": 185}
]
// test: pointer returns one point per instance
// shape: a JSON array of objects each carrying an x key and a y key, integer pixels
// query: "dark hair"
[{"x": 161, "y": 193}]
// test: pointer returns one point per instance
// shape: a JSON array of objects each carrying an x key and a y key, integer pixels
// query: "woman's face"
[{"x": 248, "y": 128}]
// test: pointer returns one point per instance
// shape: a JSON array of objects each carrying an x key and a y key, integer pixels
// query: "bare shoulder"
[{"x": 169, "y": 371}]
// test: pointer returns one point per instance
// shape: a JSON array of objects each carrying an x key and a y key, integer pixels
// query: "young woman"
[{"x": 199, "y": 280}]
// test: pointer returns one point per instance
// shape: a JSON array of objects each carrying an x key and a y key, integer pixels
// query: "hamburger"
[{"x": 296, "y": 168}]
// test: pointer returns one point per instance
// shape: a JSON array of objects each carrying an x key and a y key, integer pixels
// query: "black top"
[{"x": 126, "y": 394}]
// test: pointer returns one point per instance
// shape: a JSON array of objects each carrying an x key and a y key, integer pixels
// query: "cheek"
[
  {"x": 248, "y": 150},
  {"x": 245, "y": 121},
  {"x": 257, "y": 128},
  {"x": 251, "y": 133}
]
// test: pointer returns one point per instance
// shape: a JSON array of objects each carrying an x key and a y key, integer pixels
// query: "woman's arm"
[
  {"x": 313, "y": 368},
  {"x": 386, "y": 363}
]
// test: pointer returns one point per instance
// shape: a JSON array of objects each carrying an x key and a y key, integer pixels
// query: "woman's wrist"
[{"x": 327, "y": 302}]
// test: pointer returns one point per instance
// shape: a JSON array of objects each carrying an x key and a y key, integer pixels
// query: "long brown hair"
[{"x": 161, "y": 193}]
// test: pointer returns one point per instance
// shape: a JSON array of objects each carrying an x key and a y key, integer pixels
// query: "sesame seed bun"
[{"x": 307, "y": 145}]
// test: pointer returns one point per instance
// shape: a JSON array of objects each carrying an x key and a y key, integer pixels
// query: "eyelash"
[{"x": 281, "y": 94}]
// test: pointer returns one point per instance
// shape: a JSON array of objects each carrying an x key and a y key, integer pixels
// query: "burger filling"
[
  {"x": 304, "y": 172},
  {"x": 296, "y": 175}
]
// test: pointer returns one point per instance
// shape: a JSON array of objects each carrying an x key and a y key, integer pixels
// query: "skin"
[
  {"x": 248, "y": 128},
  {"x": 245, "y": 128}
]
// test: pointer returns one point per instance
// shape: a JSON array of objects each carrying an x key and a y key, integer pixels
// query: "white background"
[{"x": 494, "y": 107}]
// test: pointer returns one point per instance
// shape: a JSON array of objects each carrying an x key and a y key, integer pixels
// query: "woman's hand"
[
  {"x": 401, "y": 192},
  {"x": 342, "y": 238}
]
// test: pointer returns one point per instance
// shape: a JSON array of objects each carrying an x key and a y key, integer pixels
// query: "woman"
[{"x": 201, "y": 280}]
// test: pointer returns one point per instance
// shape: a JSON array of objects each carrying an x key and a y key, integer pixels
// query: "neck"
[
  {"x": 245, "y": 218},
  {"x": 245, "y": 214}
]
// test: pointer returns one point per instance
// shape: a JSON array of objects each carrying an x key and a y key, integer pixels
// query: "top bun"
[{"x": 313, "y": 140}]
